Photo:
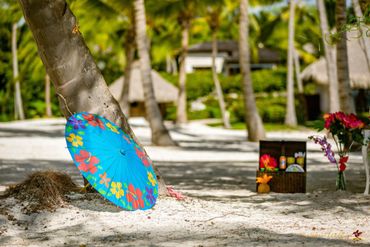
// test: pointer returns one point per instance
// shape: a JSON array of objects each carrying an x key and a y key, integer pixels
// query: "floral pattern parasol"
[{"x": 113, "y": 163}]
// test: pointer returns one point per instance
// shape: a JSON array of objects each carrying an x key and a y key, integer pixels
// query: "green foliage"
[
  {"x": 201, "y": 84},
  {"x": 271, "y": 109},
  {"x": 104, "y": 23}
]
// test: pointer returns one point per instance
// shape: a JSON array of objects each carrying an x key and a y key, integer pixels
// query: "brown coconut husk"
[{"x": 43, "y": 191}]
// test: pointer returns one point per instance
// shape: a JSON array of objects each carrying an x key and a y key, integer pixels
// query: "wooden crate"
[{"x": 285, "y": 182}]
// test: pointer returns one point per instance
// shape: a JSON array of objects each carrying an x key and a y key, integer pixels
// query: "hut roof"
[
  {"x": 222, "y": 46},
  {"x": 231, "y": 47},
  {"x": 164, "y": 91},
  {"x": 358, "y": 69}
]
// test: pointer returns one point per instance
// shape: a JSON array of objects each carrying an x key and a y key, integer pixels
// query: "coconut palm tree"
[
  {"x": 214, "y": 24},
  {"x": 184, "y": 20},
  {"x": 331, "y": 66},
  {"x": 183, "y": 11},
  {"x": 18, "y": 105},
  {"x": 345, "y": 92},
  {"x": 160, "y": 135},
  {"x": 130, "y": 56},
  {"x": 78, "y": 81},
  {"x": 253, "y": 120},
  {"x": 290, "y": 117}
]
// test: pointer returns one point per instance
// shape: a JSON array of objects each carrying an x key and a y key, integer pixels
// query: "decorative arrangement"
[
  {"x": 345, "y": 129},
  {"x": 262, "y": 182},
  {"x": 286, "y": 162},
  {"x": 268, "y": 163}
]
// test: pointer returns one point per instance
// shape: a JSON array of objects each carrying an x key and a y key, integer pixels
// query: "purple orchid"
[{"x": 325, "y": 146}]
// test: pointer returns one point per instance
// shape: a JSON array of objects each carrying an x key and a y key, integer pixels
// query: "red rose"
[{"x": 328, "y": 117}]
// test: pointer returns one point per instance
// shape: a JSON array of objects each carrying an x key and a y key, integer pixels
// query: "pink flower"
[
  {"x": 143, "y": 157},
  {"x": 352, "y": 122},
  {"x": 134, "y": 195},
  {"x": 87, "y": 161},
  {"x": 94, "y": 120},
  {"x": 329, "y": 118}
]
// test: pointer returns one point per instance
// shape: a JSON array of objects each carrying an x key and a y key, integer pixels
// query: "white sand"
[{"x": 215, "y": 168}]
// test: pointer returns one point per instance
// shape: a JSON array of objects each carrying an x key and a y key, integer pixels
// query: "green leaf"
[{"x": 319, "y": 125}]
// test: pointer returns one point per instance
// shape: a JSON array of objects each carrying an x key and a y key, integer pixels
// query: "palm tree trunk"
[
  {"x": 345, "y": 92},
  {"x": 78, "y": 81},
  {"x": 48, "y": 111},
  {"x": 160, "y": 135},
  {"x": 168, "y": 64},
  {"x": 301, "y": 96},
  {"x": 297, "y": 69},
  {"x": 290, "y": 117},
  {"x": 130, "y": 53},
  {"x": 253, "y": 120},
  {"x": 364, "y": 40},
  {"x": 18, "y": 105},
  {"x": 220, "y": 96},
  {"x": 181, "y": 116},
  {"x": 331, "y": 66}
]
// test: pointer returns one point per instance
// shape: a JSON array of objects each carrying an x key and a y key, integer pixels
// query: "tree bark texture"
[
  {"x": 345, "y": 92},
  {"x": 331, "y": 66},
  {"x": 220, "y": 95},
  {"x": 181, "y": 114},
  {"x": 253, "y": 120},
  {"x": 129, "y": 53},
  {"x": 48, "y": 111},
  {"x": 76, "y": 77},
  {"x": 160, "y": 135},
  {"x": 290, "y": 117},
  {"x": 18, "y": 105}
]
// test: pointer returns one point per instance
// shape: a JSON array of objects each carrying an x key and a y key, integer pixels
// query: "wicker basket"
[{"x": 284, "y": 182}]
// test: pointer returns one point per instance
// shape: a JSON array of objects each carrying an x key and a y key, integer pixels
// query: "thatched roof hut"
[
  {"x": 164, "y": 91},
  {"x": 358, "y": 69}
]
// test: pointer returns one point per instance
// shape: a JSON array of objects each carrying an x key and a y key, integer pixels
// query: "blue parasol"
[{"x": 113, "y": 163}]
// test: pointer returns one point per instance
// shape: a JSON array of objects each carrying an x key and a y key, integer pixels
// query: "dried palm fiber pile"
[{"x": 43, "y": 191}]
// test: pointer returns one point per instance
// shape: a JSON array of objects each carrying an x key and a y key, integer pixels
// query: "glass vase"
[{"x": 341, "y": 181}]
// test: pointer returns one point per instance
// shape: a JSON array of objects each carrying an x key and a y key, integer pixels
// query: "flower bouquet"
[{"x": 345, "y": 129}]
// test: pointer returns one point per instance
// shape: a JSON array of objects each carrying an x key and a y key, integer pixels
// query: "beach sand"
[{"x": 214, "y": 168}]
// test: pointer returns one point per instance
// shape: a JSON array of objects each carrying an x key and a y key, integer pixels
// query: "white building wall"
[{"x": 194, "y": 61}]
